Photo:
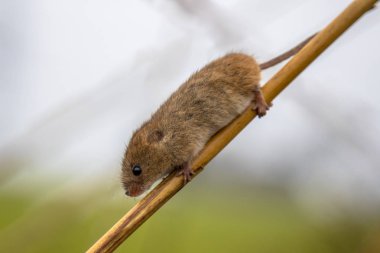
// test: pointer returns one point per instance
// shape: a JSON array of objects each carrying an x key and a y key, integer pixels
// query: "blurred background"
[{"x": 77, "y": 77}]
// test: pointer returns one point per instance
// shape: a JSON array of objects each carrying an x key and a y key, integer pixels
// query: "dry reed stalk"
[{"x": 172, "y": 184}]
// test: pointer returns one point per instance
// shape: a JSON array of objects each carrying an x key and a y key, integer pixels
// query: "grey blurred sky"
[{"x": 77, "y": 77}]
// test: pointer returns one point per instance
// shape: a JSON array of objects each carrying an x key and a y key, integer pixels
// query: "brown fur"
[
  {"x": 204, "y": 104},
  {"x": 180, "y": 128}
]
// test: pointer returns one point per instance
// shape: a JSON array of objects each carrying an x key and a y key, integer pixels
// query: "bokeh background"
[{"x": 77, "y": 77}]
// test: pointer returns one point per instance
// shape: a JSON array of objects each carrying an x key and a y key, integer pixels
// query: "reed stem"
[{"x": 172, "y": 184}]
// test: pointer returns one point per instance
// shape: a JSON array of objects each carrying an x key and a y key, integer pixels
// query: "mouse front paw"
[{"x": 186, "y": 171}]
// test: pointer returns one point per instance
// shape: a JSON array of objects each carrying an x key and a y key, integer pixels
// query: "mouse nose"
[{"x": 127, "y": 192}]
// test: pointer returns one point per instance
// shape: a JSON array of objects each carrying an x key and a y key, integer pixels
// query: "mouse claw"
[{"x": 187, "y": 173}]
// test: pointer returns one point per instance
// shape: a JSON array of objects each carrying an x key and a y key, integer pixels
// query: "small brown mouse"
[{"x": 180, "y": 128}]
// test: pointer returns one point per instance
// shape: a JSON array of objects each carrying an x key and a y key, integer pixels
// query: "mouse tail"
[{"x": 285, "y": 55}]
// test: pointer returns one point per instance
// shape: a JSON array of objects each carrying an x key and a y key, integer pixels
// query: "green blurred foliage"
[{"x": 196, "y": 220}]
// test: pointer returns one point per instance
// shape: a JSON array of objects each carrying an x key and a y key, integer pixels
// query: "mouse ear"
[{"x": 155, "y": 136}]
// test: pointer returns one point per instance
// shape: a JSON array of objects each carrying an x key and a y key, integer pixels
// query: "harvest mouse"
[{"x": 211, "y": 98}]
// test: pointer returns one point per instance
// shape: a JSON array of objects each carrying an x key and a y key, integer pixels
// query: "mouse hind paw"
[{"x": 259, "y": 105}]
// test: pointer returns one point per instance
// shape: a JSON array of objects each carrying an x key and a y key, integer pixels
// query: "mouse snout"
[{"x": 134, "y": 190}]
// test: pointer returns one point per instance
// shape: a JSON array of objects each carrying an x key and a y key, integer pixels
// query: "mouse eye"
[{"x": 136, "y": 170}]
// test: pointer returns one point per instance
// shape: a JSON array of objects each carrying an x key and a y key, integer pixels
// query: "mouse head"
[{"x": 145, "y": 161}]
